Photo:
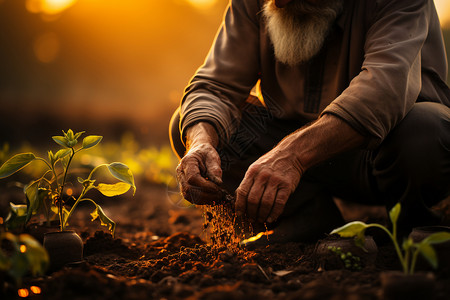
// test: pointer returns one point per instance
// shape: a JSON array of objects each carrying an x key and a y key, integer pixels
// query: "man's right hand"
[{"x": 199, "y": 172}]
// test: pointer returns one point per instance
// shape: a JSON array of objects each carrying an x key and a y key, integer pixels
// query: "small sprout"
[{"x": 410, "y": 249}]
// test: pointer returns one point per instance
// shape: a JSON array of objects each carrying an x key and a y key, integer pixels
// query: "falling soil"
[{"x": 163, "y": 251}]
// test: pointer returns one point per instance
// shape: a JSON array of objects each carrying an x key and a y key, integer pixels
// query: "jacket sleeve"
[
  {"x": 230, "y": 71},
  {"x": 389, "y": 83}
]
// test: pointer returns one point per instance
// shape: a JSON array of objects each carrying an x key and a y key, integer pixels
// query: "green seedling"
[
  {"x": 46, "y": 193},
  {"x": 350, "y": 261},
  {"x": 20, "y": 255},
  {"x": 411, "y": 250}
]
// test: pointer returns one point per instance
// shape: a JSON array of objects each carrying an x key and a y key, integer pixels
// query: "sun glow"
[
  {"x": 443, "y": 9},
  {"x": 202, "y": 4},
  {"x": 50, "y": 7}
]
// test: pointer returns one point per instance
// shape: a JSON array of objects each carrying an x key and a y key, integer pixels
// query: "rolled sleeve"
[
  {"x": 224, "y": 81},
  {"x": 389, "y": 83}
]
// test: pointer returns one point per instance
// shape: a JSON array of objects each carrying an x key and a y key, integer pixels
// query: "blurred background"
[{"x": 113, "y": 67}]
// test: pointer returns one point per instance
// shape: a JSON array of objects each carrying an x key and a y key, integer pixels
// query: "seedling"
[
  {"x": 22, "y": 254},
  {"x": 46, "y": 193},
  {"x": 410, "y": 249}
]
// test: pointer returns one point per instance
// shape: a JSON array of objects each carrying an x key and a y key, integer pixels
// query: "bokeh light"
[
  {"x": 46, "y": 47},
  {"x": 35, "y": 289},
  {"x": 23, "y": 293},
  {"x": 50, "y": 7}
]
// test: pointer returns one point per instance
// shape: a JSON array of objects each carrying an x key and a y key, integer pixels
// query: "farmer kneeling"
[{"x": 351, "y": 102}]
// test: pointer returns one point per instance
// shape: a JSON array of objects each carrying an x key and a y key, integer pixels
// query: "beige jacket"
[{"x": 380, "y": 57}]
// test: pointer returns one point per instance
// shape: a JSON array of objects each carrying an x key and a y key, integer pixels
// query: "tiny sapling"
[
  {"x": 24, "y": 255},
  {"x": 46, "y": 193},
  {"x": 410, "y": 249}
]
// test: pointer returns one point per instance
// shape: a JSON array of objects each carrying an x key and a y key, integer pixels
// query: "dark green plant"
[
  {"x": 46, "y": 193},
  {"x": 411, "y": 250},
  {"x": 20, "y": 255},
  {"x": 350, "y": 261}
]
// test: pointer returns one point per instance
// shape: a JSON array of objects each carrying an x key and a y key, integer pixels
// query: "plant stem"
[
  {"x": 83, "y": 192},
  {"x": 61, "y": 206},
  {"x": 95, "y": 169},
  {"x": 413, "y": 261},
  {"x": 394, "y": 241}
]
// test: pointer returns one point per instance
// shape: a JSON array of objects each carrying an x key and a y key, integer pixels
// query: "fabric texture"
[{"x": 380, "y": 58}]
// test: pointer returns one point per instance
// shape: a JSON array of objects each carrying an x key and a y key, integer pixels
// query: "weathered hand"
[
  {"x": 201, "y": 162},
  {"x": 267, "y": 185}
]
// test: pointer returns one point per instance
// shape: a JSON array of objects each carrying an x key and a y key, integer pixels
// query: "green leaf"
[
  {"x": 78, "y": 134},
  {"x": 351, "y": 229},
  {"x": 51, "y": 157},
  {"x": 91, "y": 141},
  {"x": 69, "y": 135},
  {"x": 65, "y": 161},
  {"x": 17, "y": 216},
  {"x": 104, "y": 219},
  {"x": 36, "y": 255},
  {"x": 428, "y": 252},
  {"x": 16, "y": 163},
  {"x": 19, "y": 265},
  {"x": 62, "y": 153},
  {"x": 60, "y": 140},
  {"x": 437, "y": 238},
  {"x": 123, "y": 173},
  {"x": 111, "y": 190},
  {"x": 407, "y": 244},
  {"x": 394, "y": 213},
  {"x": 32, "y": 194},
  {"x": 65, "y": 216}
]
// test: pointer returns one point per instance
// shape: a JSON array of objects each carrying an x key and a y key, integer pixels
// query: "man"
[{"x": 354, "y": 105}]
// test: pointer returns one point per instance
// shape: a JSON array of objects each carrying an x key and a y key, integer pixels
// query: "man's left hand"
[{"x": 268, "y": 183}]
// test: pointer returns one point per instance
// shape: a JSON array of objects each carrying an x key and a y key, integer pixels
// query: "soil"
[{"x": 161, "y": 251}]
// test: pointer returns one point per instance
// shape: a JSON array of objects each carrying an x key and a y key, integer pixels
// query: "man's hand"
[
  {"x": 271, "y": 179},
  {"x": 199, "y": 170},
  {"x": 268, "y": 183}
]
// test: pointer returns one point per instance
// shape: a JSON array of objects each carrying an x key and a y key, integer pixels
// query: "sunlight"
[
  {"x": 50, "y": 7},
  {"x": 443, "y": 9},
  {"x": 202, "y": 4}
]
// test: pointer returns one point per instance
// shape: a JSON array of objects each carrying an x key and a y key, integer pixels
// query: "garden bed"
[{"x": 160, "y": 252}]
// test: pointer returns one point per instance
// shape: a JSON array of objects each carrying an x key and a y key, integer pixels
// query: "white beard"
[{"x": 298, "y": 30}]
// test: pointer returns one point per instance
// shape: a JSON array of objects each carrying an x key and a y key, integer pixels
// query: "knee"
[
  {"x": 420, "y": 143},
  {"x": 175, "y": 135}
]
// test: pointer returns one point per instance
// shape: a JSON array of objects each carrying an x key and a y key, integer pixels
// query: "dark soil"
[{"x": 160, "y": 252}]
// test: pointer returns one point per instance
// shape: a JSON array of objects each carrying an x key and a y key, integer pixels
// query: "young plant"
[
  {"x": 410, "y": 249},
  {"x": 46, "y": 193},
  {"x": 20, "y": 255}
]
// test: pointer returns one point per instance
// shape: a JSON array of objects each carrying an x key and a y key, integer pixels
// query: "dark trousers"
[{"x": 411, "y": 166}]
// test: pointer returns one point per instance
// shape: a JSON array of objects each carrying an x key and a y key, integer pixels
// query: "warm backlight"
[
  {"x": 50, "y": 7},
  {"x": 202, "y": 3},
  {"x": 443, "y": 9},
  {"x": 23, "y": 248}
]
